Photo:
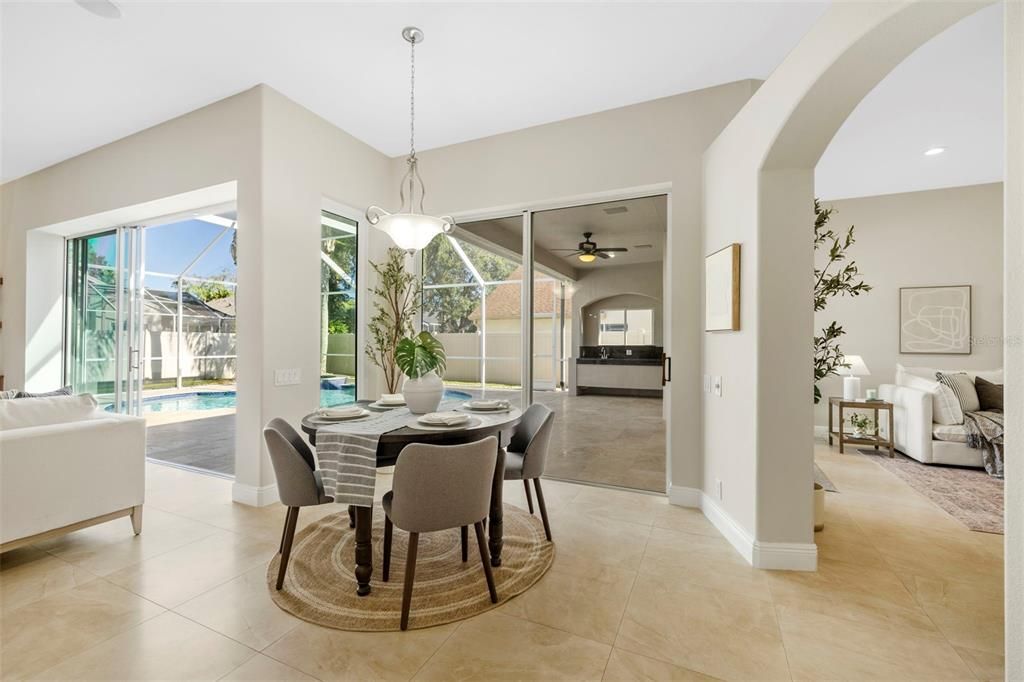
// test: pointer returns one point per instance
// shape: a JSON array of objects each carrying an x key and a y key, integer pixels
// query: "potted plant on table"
[
  {"x": 422, "y": 360},
  {"x": 861, "y": 424}
]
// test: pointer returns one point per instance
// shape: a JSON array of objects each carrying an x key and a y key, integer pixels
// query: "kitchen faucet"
[{"x": 604, "y": 352}]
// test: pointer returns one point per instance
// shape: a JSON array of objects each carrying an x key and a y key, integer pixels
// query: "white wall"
[
  {"x": 945, "y": 236},
  {"x": 653, "y": 143}
]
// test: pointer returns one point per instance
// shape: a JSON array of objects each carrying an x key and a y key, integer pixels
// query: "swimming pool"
[{"x": 215, "y": 400}]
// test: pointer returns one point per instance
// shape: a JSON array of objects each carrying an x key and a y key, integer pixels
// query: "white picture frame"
[
  {"x": 935, "y": 320},
  {"x": 722, "y": 290}
]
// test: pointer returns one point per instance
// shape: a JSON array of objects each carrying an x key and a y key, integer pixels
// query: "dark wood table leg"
[
  {"x": 351, "y": 516},
  {"x": 364, "y": 549},
  {"x": 841, "y": 431},
  {"x": 494, "y": 528},
  {"x": 830, "y": 426},
  {"x": 892, "y": 435}
]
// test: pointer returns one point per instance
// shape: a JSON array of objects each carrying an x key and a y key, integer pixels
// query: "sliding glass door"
[
  {"x": 339, "y": 258},
  {"x": 103, "y": 332}
]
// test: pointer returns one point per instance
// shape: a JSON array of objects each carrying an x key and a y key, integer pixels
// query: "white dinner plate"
[
  {"x": 343, "y": 418},
  {"x": 385, "y": 406},
  {"x": 470, "y": 423}
]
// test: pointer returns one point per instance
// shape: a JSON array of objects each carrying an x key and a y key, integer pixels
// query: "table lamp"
[{"x": 851, "y": 376}]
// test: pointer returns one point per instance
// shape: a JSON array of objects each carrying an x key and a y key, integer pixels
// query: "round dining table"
[{"x": 390, "y": 445}]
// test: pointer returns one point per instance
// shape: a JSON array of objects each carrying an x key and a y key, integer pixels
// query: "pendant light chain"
[{"x": 412, "y": 99}]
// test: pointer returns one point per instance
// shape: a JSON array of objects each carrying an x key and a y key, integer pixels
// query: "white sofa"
[
  {"x": 66, "y": 464},
  {"x": 915, "y": 432}
]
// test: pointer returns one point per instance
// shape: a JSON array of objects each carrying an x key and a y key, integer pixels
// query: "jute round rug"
[{"x": 320, "y": 586}]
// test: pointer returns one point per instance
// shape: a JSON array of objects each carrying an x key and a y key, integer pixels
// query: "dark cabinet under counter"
[{"x": 626, "y": 371}]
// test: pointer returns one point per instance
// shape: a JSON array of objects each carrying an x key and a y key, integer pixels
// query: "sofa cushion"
[
  {"x": 945, "y": 406},
  {"x": 993, "y": 375},
  {"x": 963, "y": 388},
  {"x": 47, "y": 394},
  {"x": 19, "y": 414},
  {"x": 9, "y": 395},
  {"x": 990, "y": 395},
  {"x": 951, "y": 433}
]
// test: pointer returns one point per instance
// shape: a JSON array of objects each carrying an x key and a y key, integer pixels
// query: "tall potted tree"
[{"x": 397, "y": 298}]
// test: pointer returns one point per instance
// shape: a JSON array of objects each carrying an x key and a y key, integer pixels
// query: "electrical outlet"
[
  {"x": 287, "y": 377},
  {"x": 718, "y": 481},
  {"x": 717, "y": 385}
]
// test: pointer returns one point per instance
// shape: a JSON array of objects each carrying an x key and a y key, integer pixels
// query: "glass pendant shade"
[
  {"x": 409, "y": 231},
  {"x": 587, "y": 257}
]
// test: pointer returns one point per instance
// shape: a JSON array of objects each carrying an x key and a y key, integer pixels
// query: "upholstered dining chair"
[
  {"x": 298, "y": 481},
  {"x": 527, "y": 454},
  {"x": 438, "y": 487}
]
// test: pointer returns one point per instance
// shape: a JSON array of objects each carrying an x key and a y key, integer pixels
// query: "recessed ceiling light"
[
  {"x": 101, "y": 8},
  {"x": 934, "y": 151}
]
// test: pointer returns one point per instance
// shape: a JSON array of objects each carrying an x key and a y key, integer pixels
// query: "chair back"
[
  {"x": 296, "y": 484},
  {"x": 295, "y": 438},
  {"x": 531, "y": 438},
  {"x": 443, "y": 486}
]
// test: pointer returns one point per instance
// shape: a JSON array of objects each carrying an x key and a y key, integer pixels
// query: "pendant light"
[{"x": 410, "y": 228}]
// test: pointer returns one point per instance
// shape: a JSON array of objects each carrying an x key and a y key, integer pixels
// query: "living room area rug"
[{"x": 970, "y": 496}]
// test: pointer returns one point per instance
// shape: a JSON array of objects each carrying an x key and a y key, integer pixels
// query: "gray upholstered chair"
[
  {"x": 298, "y": 481},
  {"x": 437, "y": 487},
  {"x": 527, "y": 454}
]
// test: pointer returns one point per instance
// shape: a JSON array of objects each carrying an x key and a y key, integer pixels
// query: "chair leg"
[
  {"x": 286, "y": 545},
  {"x": 464, "y": 531},
  {"x": 410, "y": 575},
  {"x": 543, "y": 508},
  {"x": 388, "y": 530},
  {"x": 529, "y": 497},
  {"x": 485, "y": 559}
]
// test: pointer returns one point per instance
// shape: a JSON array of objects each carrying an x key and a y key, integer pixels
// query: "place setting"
[
  {"x": 334, "y": 415},
  {"x": 486, "y": 406},
  {"x": 450, "y": 420},
  {"x": 388, "y": 401}
]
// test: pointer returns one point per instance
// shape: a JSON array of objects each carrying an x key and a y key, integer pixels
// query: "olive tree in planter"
[
  {"x": 832, "y": 279},
  {"x": 423, "y": 360},
  {"x": 397, "y": 299}
]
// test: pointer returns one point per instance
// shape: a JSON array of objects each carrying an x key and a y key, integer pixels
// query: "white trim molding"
[
  {"x": 787, "y": 556},
  {"x": 254, "y": 497}
]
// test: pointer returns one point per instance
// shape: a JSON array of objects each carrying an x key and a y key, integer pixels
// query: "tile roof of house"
[{"x": 505, "y": 300}]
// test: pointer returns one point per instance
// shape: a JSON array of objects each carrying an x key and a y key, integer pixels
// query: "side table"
[{"x": 836, "y": 403}]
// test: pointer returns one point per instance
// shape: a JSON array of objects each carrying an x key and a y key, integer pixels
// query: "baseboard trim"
[
  {"x": 787, "y": 556},
  {"x": 254, "y": 496}
]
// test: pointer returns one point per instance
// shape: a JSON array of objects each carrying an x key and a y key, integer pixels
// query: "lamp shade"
[
  {"x": 856, "y": 368},
  {"x": 409, "y": 231}
]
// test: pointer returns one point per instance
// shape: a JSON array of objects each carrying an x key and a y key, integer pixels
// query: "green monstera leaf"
[{"x": 418, "y": 355}]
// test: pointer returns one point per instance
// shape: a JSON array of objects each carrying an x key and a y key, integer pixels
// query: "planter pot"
[
  {"x": 423, "y": 395},
  {"x": 860, "y": 433},
  {"x": 819, "y": 507}
]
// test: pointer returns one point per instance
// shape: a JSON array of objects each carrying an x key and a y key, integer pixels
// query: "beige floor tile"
[
  {"x": 820, "y": 646},
  {"x": 32, "y": 575},
  {"x": 969, "y": 614},
  {"x": 263, "y": 669},
  {"x": 685, "y": 520},
  {"x": 612, "y": 543},
  {"x": 619, "y": 505},
  {"x": 624, "y": 666},
  {"x": 676, "y": 560},
  {"x": 868, "y": 595},
  {"x": 174, "y": 577},
  {"x": 112, "y": 546},
  {"x": 938, "y": 555},
  {"x": 843, "y": 540},
  {"x": 710, "y": 631},
  {"x": 167, "y": 647},
  {"x": 986, "y": 666},
  {"x": 557, "y": 494},
  {"x": 589, "y": 604},
  {"x": 40, "y": 633},
  {"x": 241, "y": 609},
  {"x": 339, "y": 655},
  {"x": 499, "y": 647}
]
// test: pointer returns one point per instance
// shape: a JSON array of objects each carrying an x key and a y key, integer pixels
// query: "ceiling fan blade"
[
  {"x": 563, "y": 249},
  {"x": 613, "y": 249},
  {"x": 600, "y": 253}
]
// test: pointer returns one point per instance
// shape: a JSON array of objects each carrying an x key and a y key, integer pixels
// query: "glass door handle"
[{"x": 133, "y": 359}]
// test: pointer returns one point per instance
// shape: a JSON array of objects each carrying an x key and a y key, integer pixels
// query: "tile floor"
[{"x": 638, "y": 590}]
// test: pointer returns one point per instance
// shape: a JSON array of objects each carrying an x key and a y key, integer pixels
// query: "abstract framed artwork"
[
  {"x": 935, "y": 320},
  {"x": 722, "y": 290}
]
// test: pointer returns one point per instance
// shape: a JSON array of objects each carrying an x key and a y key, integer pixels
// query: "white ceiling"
[{"x": 73, "y": 81}]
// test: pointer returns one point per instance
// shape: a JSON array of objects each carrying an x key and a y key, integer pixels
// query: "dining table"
[{"x": 397, "y": 427}]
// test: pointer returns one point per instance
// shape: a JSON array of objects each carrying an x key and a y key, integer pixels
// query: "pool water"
[{"x": 216, "y": 400}]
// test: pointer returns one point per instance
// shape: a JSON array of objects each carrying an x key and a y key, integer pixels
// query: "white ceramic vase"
[{"x": 423, "y": 395}]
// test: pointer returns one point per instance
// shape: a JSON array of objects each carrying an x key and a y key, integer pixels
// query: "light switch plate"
[
  {"x": 287, "y": 377},
  {"x": 717, "y": 386}
]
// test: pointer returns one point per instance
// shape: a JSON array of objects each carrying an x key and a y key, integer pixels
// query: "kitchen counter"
[
  {"x": 619, "y": 361},
  {"x": 640, "y": 377}
]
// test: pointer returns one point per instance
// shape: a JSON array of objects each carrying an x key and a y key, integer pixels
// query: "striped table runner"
[{"x": 347, "y": 454}]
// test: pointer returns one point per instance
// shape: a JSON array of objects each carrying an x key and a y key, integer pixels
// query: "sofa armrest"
[{"x": 912, "y": 420}]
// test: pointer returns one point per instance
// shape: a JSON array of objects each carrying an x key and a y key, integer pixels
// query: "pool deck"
[{"x": 206, "y": 442}]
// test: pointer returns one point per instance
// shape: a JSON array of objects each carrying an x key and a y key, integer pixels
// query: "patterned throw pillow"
[
  {"x": 963, "y": 390},
  {"x": 49, "y": 394},
  {"x": 9, "y": 395}
]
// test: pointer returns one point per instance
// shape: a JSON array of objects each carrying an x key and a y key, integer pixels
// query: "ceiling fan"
[{"x": 587, "y": 251}]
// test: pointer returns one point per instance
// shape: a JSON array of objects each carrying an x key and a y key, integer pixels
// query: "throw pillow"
[
  {"x": 48, "y": 394},
  {"x": 963, "y": 388},
  {"x": 990, "y": 395},
  {"x": 8, "y": 395}
]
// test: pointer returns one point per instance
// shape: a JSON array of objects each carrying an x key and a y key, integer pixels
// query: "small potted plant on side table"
[
  {"x": 861, "y": 424},
  {"x": 422, "y": 360}
]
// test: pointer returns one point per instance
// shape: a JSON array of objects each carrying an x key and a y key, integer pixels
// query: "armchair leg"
[
  {"x": 410, "y": 575},
  {"x": 529, "y": 497},
  {"x": 388, "y": 531},
  {"x": 137, "y": 518},
  {"x": 543, "y": 508},
  {"x": 485, "y": 559},
  {"x": 286, "y": 549},
  {"x": 464, "y": 531}
]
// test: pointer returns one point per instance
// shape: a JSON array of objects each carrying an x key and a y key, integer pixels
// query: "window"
[
  {"x": 338, "y": 262},
  {"x": 620, "y": 327}
]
